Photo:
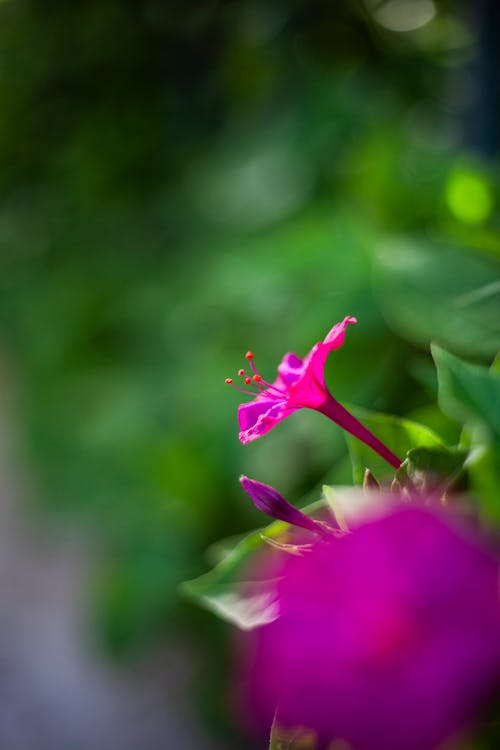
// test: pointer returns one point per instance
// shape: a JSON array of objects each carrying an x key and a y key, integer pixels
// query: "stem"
[{"x": 343, "y": 418}]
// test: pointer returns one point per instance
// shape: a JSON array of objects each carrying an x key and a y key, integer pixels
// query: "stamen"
[
  {"x": 253, "y": 368},
  {"x": 256, "y": 379},
  {"x": 229, "y": 381},
  {"x": 270, "y": 387},
  {"x": 261, "y": 385},
  {"x": 259, "y": 379},
  {"x": 260, "y": 388}
]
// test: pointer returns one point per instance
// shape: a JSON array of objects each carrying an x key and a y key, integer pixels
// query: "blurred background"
[{"x": 180, "y": 182}]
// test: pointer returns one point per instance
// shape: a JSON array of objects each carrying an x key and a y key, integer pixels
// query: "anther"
[
  {"x": 249, "y": 355},
  {"x": 228, "y": 381},
  {"x": 247, "y": 381},
  {"x": 257, "y": 378},
  {"x": 241, "y": 372}
]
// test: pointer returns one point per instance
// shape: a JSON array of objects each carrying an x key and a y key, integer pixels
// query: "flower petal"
[
  {"x": 401, "y": 612},
  {"x": 335, "y": 337},
  {"x": 310, "y": 389},
  {"x": 261, "y": 415},
  {"x": 290, "y": 369}
]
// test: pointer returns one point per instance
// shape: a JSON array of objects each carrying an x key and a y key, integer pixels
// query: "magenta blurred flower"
[
  {"x": 387, "y": 637},
  {"x": 301, "y": 384}
]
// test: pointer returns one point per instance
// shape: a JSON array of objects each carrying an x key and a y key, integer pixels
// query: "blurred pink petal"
[{"x": 387, "y": 637}]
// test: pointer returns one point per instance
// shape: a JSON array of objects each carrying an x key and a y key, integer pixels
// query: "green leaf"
[
  {"x": 467, "y": 392},
  {"x": 483, "y": 468},
  {"x": 400, "y": 435},
  {"x": 226, "y": 592},
  {"x": 434, "y": 291},
  {"x": 495, "y": 367}
]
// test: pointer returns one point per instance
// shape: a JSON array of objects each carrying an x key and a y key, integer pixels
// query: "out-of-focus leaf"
[
  {"x": 434, "y": 292},
  {"x": 483, "y": 468},
  {"x": 400, "y": 435},
  {"x": 224, "y": 590},
  {"x": 434, "y": 418},
  {"x": 467, "y": 392}
]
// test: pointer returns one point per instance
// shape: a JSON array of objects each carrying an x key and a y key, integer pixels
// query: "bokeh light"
[{"x": 469, "y": 196}]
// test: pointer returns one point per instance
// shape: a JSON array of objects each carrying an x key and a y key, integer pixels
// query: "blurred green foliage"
[{"x": 183, "y": 181}]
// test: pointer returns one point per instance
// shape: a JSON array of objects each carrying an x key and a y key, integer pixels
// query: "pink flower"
[
  {"x": 386, "y": 637},
  {"x": 301, "y": 384}
]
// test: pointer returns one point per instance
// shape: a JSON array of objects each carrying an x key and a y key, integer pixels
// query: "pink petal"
[
  {"x": 259, "y": 416},
  {"x": 335, "y": 337},
  {"x": 310, "y": 389},
  {"x": 290, "y": 369}
]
